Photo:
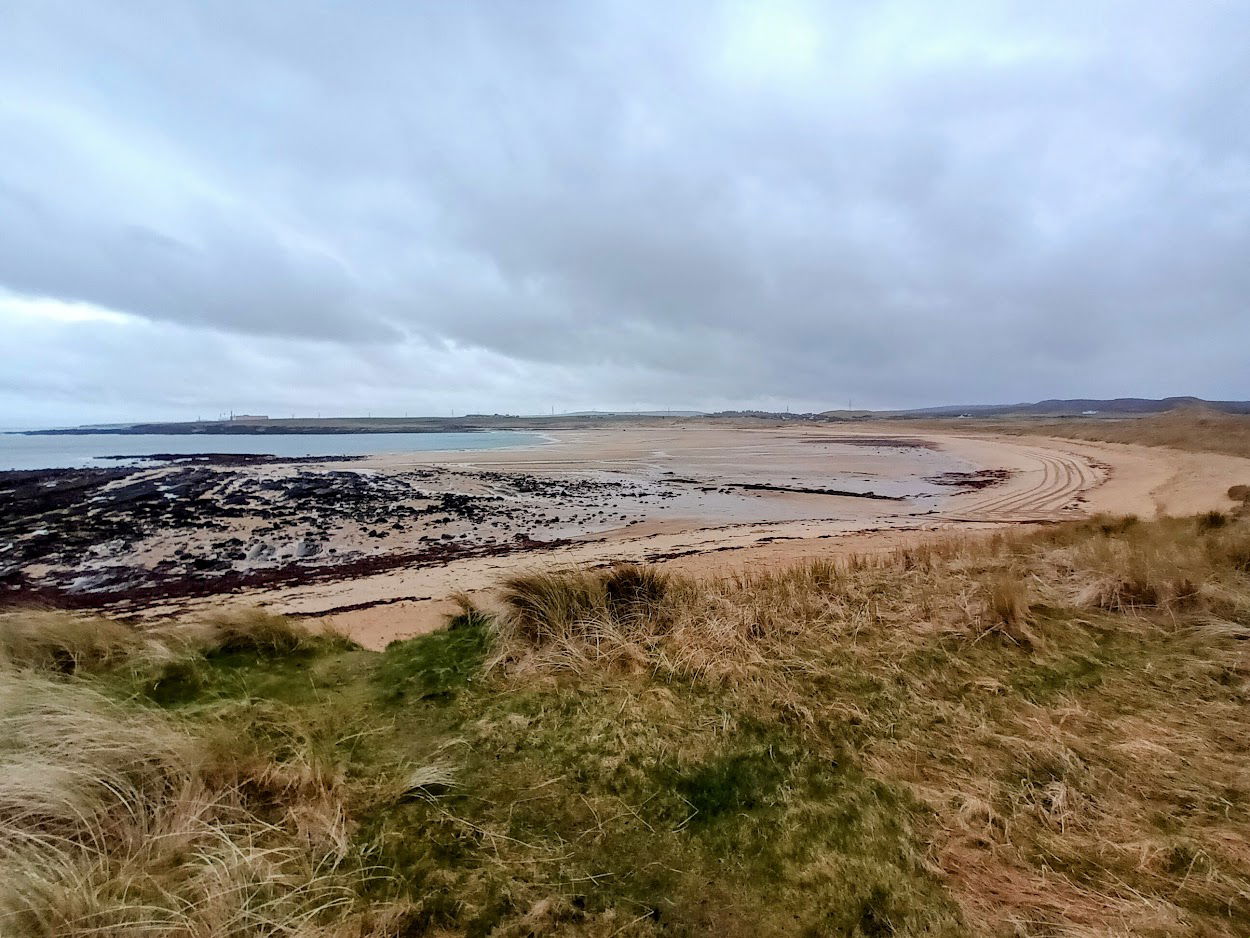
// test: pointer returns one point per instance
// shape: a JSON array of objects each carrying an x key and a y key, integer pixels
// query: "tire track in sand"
[{"x": 1046, "y": 492}]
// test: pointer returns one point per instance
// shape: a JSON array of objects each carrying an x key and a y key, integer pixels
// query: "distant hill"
[
  {"x": 1120, "y": 406},
  {"x": 632, "y": 413}
]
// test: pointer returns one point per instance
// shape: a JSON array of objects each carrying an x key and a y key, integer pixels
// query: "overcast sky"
[{"x": 336, "y": 207}]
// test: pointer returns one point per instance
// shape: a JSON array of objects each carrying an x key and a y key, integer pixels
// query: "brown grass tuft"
[
  {"x": 64, "y": 642},
  {"x": 68, "y": 643},
  {"x": 1008, "y": 609},
  {"x": 113, "y": 820},
  {"x": 632, "y": 591},
  {"x": 569, "y": 618},
  {"x": 252, "y": 630},
  {"x": 554, "y": 608}
]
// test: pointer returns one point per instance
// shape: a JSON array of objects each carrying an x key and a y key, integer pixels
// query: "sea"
[{"x": 76, "y": 451}]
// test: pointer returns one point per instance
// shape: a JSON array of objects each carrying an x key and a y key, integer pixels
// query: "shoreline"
[
  {"x": 376, "y": 544},
  {"x": 24, "y": 452}
]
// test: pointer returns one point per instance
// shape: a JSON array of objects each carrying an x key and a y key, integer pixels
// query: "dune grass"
[
  {"x": 1038, "y": 734},
  {"x": 53, "y": 641},
  {"x": 573, "y": 617},
  {"x": 115, "y": 820}
]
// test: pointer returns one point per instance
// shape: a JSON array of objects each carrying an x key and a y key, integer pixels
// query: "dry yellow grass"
[
  {"x": 114, "y": 820},
  {"x": 56, "y": 641},
  {"x": 1071, "y": 705},
  {"x": 68, "y": 642},
  {"x": 1197, "y": 430},
  {"x": 1040, "y": 734},
  {"x": 572, "y": 618}
]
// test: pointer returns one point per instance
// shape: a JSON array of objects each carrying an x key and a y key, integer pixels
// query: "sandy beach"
[
  {"x": 1046, "y": 480},
  {"x": 376, "y": 546}
]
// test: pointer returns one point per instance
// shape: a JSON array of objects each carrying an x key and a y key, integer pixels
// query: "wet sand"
[
  {"x": 376, "y": 546},
  {"x": 721, "y": 531}
]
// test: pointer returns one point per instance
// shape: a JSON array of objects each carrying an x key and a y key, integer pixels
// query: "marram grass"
[{"x": 1034, "y": 734}]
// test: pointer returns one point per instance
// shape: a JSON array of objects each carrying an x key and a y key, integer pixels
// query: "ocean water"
[{"x": 18, "y": 451}]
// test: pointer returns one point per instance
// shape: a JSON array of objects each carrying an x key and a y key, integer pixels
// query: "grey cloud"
[{"x": 620, "y": 203}]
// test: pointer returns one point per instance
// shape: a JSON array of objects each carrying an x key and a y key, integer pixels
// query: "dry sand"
[{"x": 722, "y": 529}]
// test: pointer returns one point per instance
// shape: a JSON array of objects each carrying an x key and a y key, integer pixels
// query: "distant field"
[{"x": 1197, "y": 431}]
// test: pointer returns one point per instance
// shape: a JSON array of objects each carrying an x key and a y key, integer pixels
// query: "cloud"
[{"x": 487, "y": 206}]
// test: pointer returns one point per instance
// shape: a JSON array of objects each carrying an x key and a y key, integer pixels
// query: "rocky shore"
[
  {"x": 130, "y": 536},
  {"x": 155, "y": 535}
]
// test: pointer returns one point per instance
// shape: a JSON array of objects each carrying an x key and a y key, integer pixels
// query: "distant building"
[{"x": 236, "y": 418}]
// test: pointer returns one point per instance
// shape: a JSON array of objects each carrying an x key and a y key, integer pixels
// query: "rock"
[
  {"x": 306, "y": 548},
  {"x": 260, "y": 551}
]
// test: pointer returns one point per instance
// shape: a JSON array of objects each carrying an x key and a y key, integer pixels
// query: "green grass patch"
[
  {"x": 296, "y": 677},
  {"x": 434, "y": 667}
]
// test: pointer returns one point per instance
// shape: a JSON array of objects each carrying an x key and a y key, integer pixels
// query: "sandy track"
[{"x": 1051, "y": 480}]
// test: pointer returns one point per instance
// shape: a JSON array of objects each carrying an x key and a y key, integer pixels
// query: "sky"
[{"x": 301, "y": 208}]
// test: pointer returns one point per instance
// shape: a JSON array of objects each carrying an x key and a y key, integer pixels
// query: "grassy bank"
[
  {"x": 1196, "y": 430},
  {"x": 1040, "y": 735}
]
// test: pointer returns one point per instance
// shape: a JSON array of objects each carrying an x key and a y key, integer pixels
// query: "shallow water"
[{"x": 18, "y": 451}]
